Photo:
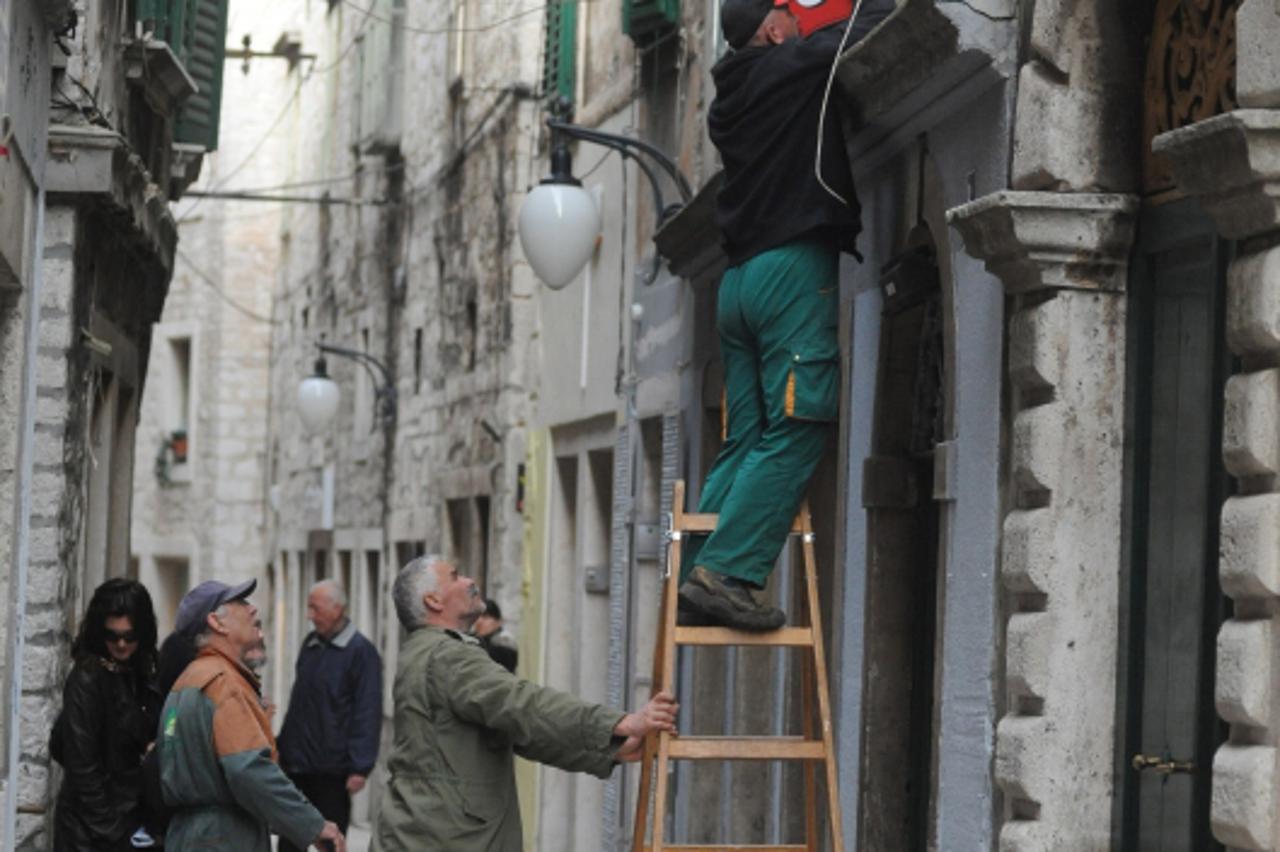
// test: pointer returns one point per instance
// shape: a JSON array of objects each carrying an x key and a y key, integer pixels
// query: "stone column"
[
  {"x": 1064, "y": 258},
  {"x": 1231, "y": 164}
]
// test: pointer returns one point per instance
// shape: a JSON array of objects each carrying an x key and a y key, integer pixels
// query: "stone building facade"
[
  {"x": 96, "y": 95},
  {"x": 1052, "y": 585},
  {"x": 1046, "y": 524}
]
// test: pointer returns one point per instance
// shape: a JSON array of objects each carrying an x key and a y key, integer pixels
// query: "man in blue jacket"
[{"x": 329, "y": 740}]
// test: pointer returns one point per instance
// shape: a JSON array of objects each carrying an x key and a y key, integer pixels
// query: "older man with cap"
[
  {"x": 783, "y": 228},
  {"x": 218, "y": 767}
]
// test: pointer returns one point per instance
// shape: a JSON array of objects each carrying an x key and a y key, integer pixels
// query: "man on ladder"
[{"x": 786, "y": 210}]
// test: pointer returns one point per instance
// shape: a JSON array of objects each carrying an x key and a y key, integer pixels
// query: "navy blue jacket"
[{"x": 335, "y": 710}]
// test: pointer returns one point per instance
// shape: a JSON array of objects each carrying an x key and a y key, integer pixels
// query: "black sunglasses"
[{"x": 120, "y": 636}]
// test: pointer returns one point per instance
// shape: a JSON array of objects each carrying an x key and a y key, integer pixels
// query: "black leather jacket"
[{"x": 107, "y": 720}]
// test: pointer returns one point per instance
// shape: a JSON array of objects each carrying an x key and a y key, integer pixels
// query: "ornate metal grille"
[{"x": 1191, "y": 74}]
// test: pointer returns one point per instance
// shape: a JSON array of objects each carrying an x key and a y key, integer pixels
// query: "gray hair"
[
  {"x": 205, "y": 633},
  {"x": 334, "y": 590},
  {"x": 415, "y": 580}
]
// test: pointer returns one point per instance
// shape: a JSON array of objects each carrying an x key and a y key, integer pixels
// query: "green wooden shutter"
[
  {"x": 648, "y": 20},
  {"x": 559, "y": 61},
  {"x": 203, "y": 52}
]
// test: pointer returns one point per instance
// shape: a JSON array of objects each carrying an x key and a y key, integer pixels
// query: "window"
[
  {"x": 381, "y": 74},
  {"x": 371, "y": 599},
  {"x": 648, "y": 20},
  {"x": 559, "y": 61},
  {"x": 458, "y": 43},
  {"x": 363, "y": 419},
  {"x": 112, "y": 427},
  {"x": 171, "y": 582},
  {"x": 178, "y": 402},
  {"x": 344, "y": 572},
  {"x": 469, "y": 537},
  {"x": 417, "y": 360}
]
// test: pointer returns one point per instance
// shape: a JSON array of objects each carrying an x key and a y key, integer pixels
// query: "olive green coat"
[{"x": 460, "y": 718}]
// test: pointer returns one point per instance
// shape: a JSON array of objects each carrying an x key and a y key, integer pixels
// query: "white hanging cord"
[{"x": 826, "y": 98}]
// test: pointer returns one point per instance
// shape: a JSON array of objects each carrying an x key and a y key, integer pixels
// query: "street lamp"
[
  {"x": 559, "y": 220},
  {"x": 319, "y": 395}
]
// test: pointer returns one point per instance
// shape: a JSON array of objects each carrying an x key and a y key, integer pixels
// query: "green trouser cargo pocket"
[{"x": 813, "y": 385}]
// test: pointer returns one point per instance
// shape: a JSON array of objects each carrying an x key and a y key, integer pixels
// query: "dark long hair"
[{"x": 113, "y": 598}]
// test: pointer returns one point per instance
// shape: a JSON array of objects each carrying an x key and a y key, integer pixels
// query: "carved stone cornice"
[
  {"x": 90, "y": 164},
  {"x": 1050, "y": 240},
  {"x": 1231, "y": 164},
  {"x": 151, "y": 66},
  {"x": 957, "y": 52}
]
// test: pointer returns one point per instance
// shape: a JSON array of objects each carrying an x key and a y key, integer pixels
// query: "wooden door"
[{"x": 1178, "y": 368}]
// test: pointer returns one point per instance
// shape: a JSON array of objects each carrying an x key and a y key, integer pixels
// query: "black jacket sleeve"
[
  {"x": 84, "y": 759},
  {"x": 366, "y": 711}
]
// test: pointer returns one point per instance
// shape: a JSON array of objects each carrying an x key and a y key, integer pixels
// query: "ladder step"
[
  {"x": 703, "y": 523},
  {"x": 745, "y": 748},
  {"x": 666, "y": 847},
  {"x": 785, "y": 637}
]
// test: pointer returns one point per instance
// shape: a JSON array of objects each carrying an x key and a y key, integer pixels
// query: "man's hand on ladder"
[{"x": 658, "y": 715}]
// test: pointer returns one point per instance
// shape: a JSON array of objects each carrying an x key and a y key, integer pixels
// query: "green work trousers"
[{"x": 776, "y": 320}]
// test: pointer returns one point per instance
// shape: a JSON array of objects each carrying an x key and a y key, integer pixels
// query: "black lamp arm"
[
  {"x": 625, "y": 144},
  {"x": 385, "y": 391}
]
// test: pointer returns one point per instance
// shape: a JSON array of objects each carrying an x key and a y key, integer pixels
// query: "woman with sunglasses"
[{"x": 110, "y": 711}]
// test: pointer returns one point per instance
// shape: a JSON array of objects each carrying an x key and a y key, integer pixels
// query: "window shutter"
[
  {"x": 203, "y": 52},
  {"x": 559, "y": 61},
  {"x": 648, "y": 20}
]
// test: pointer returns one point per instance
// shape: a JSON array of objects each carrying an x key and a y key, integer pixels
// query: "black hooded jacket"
[
  {"x": 109, "y": 716},
  {"x": 764, "y": 121}
]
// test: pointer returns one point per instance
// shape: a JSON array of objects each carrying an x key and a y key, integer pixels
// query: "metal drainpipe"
[{"x": 21, "y": 534}]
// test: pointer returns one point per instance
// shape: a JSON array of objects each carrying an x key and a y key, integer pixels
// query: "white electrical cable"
[{"x": 826, "y": 98}]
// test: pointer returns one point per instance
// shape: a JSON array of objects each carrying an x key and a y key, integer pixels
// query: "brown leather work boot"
[{"x": 727, "y": 601}]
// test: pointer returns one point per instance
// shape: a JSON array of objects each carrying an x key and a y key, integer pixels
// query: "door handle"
[
  {"x": 1163, "y": 765},
  {"x": 1175, "y": 767}
]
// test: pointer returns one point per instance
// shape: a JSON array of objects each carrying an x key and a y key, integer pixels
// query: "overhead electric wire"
[
  {"x": 451, "y": 30},
  {"x": 284, "y": 110},
  {"x": 213, "y": 285}
]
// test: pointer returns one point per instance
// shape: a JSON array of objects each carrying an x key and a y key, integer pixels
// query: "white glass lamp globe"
[
  {"x": 559, "y": 223},
  {"x": 318, "y": 398}
]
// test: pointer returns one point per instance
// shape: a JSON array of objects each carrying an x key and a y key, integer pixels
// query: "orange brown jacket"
[{"x": 218, "y": 764}]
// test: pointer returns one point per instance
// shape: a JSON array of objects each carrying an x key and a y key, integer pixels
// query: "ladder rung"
[
  {"x": 787, "y": 637},
  {"x": 745, "y": 748},
  {"x": 694, "y": 522},
  {"x": 666, "y": 847}
]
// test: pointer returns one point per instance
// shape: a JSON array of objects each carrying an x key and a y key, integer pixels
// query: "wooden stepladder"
[{"x": 813, "y": 747}]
